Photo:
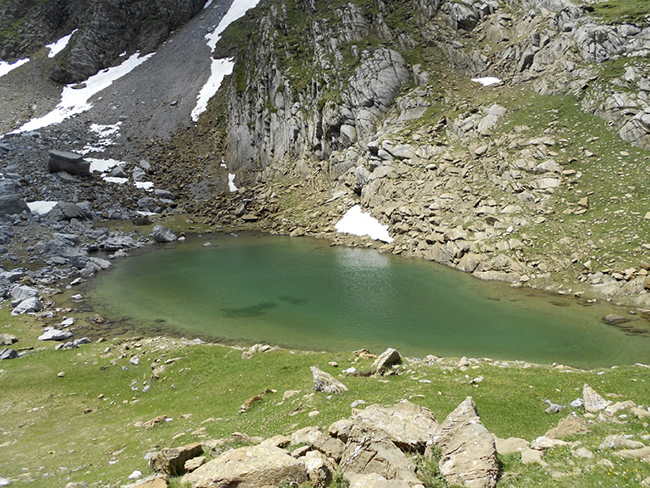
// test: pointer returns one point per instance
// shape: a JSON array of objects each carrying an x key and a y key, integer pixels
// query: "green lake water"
[{"x": 301, "y": 293}]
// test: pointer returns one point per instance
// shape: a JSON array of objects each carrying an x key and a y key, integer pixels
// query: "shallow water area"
[{"x": 303, "y": 294}]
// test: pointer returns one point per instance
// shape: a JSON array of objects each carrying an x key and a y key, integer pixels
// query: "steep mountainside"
[
  {"x": 539, "y": 179},
  {"x": 103, "y": 30}
]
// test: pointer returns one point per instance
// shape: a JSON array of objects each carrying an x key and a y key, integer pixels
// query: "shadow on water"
[
  {"x": 247, "y": 312},
  {"x": 293, "y": 300}
]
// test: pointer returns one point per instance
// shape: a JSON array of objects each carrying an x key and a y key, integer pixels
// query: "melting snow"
[
  {"x": 58, "y": 46},
  {"x": 231, "y": 182},
  {"x": 487, "y": 81},
  {"x": 115, "y": 179},
  {"x": 103, "y": 165},
  {"x": 41, "y": 207},
  {"x": 75, "y": 101},
  {"x": 220, "y": 68},
  {"x": 6, "y": 67},
  {"x": 362, "y": 224},
  {"x": 105, "y": 133},
  {"x": 144, "y": 185}
]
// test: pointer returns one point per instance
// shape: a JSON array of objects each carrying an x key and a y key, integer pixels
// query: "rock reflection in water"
[{"x": 247, "y": 312}]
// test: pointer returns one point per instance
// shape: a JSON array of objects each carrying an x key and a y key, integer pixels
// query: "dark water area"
[{"x": 301, "y": 293}]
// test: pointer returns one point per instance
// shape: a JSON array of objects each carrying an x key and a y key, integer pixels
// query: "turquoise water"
[{"x": 301, "y": 293}]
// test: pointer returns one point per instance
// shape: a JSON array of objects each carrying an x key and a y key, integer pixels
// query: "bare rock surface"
[
  {"x": 326, "y": 383},
  {"x": 467, "y": 448},
  {"x": 172, "y": 461},
  {"x": 248, "y": 467}
]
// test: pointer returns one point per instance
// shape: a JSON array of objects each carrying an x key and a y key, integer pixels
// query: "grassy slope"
[{"x": 45, "y": 436}]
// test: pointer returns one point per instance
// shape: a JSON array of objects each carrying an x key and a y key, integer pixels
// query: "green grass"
[
  {"x": 45, "y": 436},
  {"x": 623, "y": 11}
]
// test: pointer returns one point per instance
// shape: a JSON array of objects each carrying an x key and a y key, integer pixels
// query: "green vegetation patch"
[{"x": 623, "y": 11}]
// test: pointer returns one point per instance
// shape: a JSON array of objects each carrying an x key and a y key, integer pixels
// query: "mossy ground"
[{"x": 81, "y": 427}]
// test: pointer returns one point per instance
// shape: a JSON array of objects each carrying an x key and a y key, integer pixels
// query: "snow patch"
[
  {"x": 7, "y": 67},
  {"x": 219, "y": 68},
  {"x": 105, "y": 134},
  {"x": 236, "y": 11},
  {"x": 41, "y": 207},
  {"x": 115, "y": 179},
  {"x": 75, "y": 101},
  {"x": 144, "y": 185},
  {"x": 58, "y": 46},
  {"x": 362, "y": 224},
  {"x": 231, "y": 182},
  {"x": 487, "y": 81},
  {"x": 103, "y": 165}
]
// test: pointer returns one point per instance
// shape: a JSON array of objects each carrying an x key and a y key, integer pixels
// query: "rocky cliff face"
[
  {"x": 372, "y": 103},
  {"x": 105, "y": 29}
]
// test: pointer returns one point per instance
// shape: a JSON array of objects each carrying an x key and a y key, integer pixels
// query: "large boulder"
[
  {"x": 468, "y": 452},
  {"x": 594, "y": 403},
  {"x": 29, "y": 305},
  {"x": 409, "y": 426},
  {"x": 163, "y": 234},
  {"x": 386, "y": 360},
  {"x": 72, "y": 163},
  {"x": 248, "y": 467},
  {"x": 8, "y": 354},
  {"x": 53, "y": 334},
  {"x": 12, "y": 203}
]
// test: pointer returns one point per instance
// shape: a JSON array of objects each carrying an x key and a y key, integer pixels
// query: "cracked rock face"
[{"x": 467, "y": 448}]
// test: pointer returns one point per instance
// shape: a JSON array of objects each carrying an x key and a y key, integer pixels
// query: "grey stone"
[
  {"x": 163, "y": 234},
  {"x": 164, "y": 194},
  {"x": 29, "y": 305},
  {"x": 72, "y": 163},
  {"x": 172, "y": 461},
  {"x": 52, "y": 334},
  {"x": 8, "y": 354},
  {"x": 12, "y": 203},
  {"x": 594, "y": 403}
]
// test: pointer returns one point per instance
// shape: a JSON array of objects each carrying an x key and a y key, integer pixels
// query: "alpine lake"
[{"x": 302, "y": 293}]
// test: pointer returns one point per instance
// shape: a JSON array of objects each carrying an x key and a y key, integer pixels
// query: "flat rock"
[
  {"x": 532, "y": 456},
  {"x": 617, "y": 441},
  {"x": 7, "y": 339},
  {"x": 542, "y": 443},
  {"x": 373, "y": 480},
  {"x": 248, "y": 467},
  {"x": 510, "y": 445},
  {"x": 29, "y": 305},
  {"x": 613, "y": 319},
  {"x": 326, "y": 383},
  {"x": 408, "y": 425},
  {"x": 468, "y": 451},
  {"x": 643, "y": 454}
]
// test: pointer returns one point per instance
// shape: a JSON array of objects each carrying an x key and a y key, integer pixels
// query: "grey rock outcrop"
[
  {"x": 8, "y": 354},
  {"x": 29, "y": 305},
  {"x": 54, "y": 334},
  {"x": 468, "y": 451},
  {"x": 386, "y": 360},
  {"x": 249, "y": 467}
]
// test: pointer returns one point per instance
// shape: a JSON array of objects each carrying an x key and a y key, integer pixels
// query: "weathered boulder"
[
  {"x": 468, "y": 452},
  {"x": 319, "y": 468},
  {"x": 372, "y": 452},
  {"x": 326, "y": 383},
  {"x": 510, "y": 445},
  {"x": 163, "y": 234},
  {"x": 29, "y": 305},
  {"x": 594, "y": 403},
  {"x": 249, "y": 467},
  {"x": 72, "y": 163},
  {"x": 22, "y": 292},
  {"x": 172, "y": 461},
  {"x": 386, "y": 361},
  {"x": 617, "y": 441},
  {"x": 66, "y": 211},
  {"x": 409, "y": 426},
  {"x": 52, "y": 334}
]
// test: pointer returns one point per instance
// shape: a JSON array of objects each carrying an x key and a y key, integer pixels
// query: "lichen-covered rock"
[
  {"x": 468, "y": 453},
  {"x": 594, "y": 403}
]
